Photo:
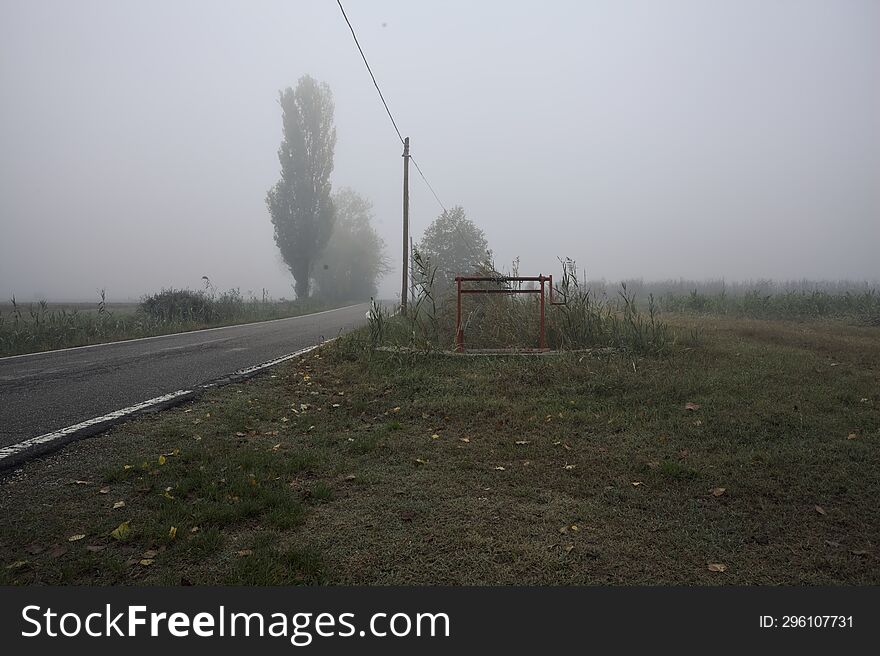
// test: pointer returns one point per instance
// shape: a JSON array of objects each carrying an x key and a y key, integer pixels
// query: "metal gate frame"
[{"x": 540, "y": 279}]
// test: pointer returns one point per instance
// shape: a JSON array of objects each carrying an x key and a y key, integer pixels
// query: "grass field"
[{"x": 747, "y": 457}]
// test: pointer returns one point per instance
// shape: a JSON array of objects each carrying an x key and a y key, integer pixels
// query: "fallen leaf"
[
  {"x": 421, "y": 461},
  {"x": 852, "y": 436},
  {"x": 569, "y": 467},
  {"x": 435, "y": 436},
  {"x": 464, "y": 439},
  {"x": 172, "y": 532},
  {"x": 162, "y": 459},
  {"x": 240, "y": 434},
  {"x": 716, "y": 567},
  {"x": 194, "y": 529},
  {"x": 57, "y": 551},
  {"x": 146, "y": 562},
  {"x": 521, "y": 442},
  {"x": 717, "y": 491},
  {"x": 149, "y": 553},
  {"x": 563, "y": 529},
  {"x": 335, "y": 405},
  {"x": 18, "y": 564},
  {"x": 819, "y": 509},
  {"x": 692, "y": 407},
  {"x": 499, "y": 468},
  {"x": 119, "y": 504},
  {"x": 397, "y": 409},
  {"x": 104, "y": 490},
  {"x": 76, "y": 538},
  {"x": 246, "y": 552},
  {"x": 569, "y": 548},
  {"x": 636, "y": 483},
  {"x": 350, "y": 477},
  {"x": 83, "y": 482},
  {"x": 121, "y": 532},
  {"x": 859, "y": 552}
]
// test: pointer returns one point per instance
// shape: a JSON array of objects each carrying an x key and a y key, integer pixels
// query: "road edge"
[{"x": 16, "y": 455}]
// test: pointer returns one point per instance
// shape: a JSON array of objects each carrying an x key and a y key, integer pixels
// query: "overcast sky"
[{"x": 660, "y": 139}]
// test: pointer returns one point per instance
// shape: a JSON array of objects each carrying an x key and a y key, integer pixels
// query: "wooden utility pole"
[{"x": 405, "y": 285}]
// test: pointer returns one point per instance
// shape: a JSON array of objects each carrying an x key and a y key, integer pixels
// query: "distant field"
[
  {"x": 7, "y": 308},
  {"x": 746, "y": 455}
]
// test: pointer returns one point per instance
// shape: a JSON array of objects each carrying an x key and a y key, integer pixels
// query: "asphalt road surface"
[{"x": 44, "y": 392}]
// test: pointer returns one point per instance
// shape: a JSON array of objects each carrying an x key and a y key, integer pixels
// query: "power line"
[
  {"x": 376, "y": 84},
  {"x": 436, "y": 197},
  {"x": 397, "y": 130}
]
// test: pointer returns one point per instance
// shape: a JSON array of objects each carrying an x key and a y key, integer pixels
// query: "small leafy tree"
[
  {"x": 354, "y": 259},
  {"x": 300, "y": 204},
  {"x": 455, "y": 246}
]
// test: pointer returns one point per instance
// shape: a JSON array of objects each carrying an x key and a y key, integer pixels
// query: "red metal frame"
[{"x": 459, "y": 330}]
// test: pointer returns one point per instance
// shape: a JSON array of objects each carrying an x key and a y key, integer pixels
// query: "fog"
[{"x": 649, "y": 139}]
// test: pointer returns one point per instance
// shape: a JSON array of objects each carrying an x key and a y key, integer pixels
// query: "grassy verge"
[{"x": 754, "y": 452}]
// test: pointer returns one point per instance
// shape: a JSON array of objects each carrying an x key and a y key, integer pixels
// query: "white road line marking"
[
  {"x": 15, "y": 449},
  {"x": 188, "y": 332}
]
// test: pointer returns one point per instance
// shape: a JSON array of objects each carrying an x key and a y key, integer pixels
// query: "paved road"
[{"x": 44, "y": 392}]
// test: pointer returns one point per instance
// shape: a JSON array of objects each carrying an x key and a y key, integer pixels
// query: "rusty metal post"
[
  {"x": 459, "y": 331},
  {"x": 541, "y": 338}
]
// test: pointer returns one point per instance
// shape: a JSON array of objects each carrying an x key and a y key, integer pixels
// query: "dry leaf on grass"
[
  {"x": 819, "y": 509},
  {"x": 119, "y": 504},
  {"x": 172, "y": 532},
  {"x": 104, "y": 490},
  {"x": 521, "y": 442},
  {"x": 121, "y": 532},
  {"x": 246, "y": 552},
  {"x": 691, "y": 407},
  {"x": 716, "y": 567},
  {"x": 76, "y": 538},
  {"x": 717, "y": 491},
  {"x": 499, "y": 468},
  {"x": 146, "y": 562}
]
